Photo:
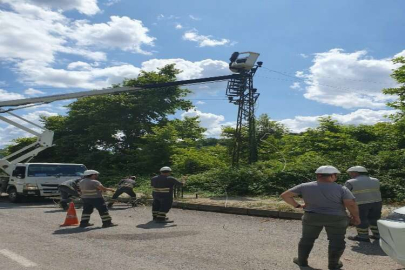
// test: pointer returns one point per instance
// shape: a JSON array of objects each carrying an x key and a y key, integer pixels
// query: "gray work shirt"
[
  {"x": 72, "y": 184},
  {"x": 88, "y": 188},
  {"x": 127, "y": 183},
  {"x": 323, "y": 198}
]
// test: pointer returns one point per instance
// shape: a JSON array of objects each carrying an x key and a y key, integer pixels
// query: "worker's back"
[
  {"x": 323, "y": 198},
  {"x": 366, "y": 189},
  {"x": 89, "y": 188},
  {"x": 163, "y": 184},
  {"x": 127, "y": 183}
]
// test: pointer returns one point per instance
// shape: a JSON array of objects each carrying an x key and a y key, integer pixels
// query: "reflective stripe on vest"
[
  {"x": 161, "y": 190},
  {"x": 366, "y": 190},
  {"x": 90, "y": 192}
]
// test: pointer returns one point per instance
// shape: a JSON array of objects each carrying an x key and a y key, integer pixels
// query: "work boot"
[
  {"x": 334, "y": 259},
  {"x": 358, "y": 238},
  {"x": 166, "y": 220},
  {"x": 297, "y": 262},
  {"x": 107, "y": 225},
  {"x": 84, "y": 225}
]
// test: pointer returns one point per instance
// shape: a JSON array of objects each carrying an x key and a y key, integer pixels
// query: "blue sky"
[{"x": 320, "y": 57}]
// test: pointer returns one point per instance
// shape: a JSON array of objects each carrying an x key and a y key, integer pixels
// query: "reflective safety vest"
[{"x": 366, "y": 189}]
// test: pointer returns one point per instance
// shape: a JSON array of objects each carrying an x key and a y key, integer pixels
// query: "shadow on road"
[
  {"x": 119, "y": 209},
  {"x": 369, "y": 248},
  {"x": 142, "y": 236},
  {"x": 28, "y": 203},
  {"x": 75, "y": 230},
  {"x": 56, "y": 211},
  {"x": 153, "y": 225}
]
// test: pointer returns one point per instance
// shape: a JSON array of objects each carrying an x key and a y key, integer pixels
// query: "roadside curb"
[{"x": 238, "y": 210}]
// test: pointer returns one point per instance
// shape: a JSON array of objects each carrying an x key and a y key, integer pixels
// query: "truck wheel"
[{"x": 13, "y": 195}]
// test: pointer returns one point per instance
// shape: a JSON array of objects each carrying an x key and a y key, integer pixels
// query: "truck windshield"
[{"x": 44, "y": 170}]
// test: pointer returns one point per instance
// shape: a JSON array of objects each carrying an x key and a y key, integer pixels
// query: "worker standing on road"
[
  {"x": 162, "y": 186},
  {"x": 92, "y": 198},
  {"x": 67, "y": 189},
  {"x": 368, "y": 197},
  {"x": 124, "y": 186},
  {"x": 325, "y": 203}
]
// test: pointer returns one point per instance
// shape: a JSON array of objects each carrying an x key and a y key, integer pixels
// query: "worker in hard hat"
[
  {"x": 162, "y": 192},
  {"x": 368, "y": 197},
  {"x": 325, "y": 207},
  {"x": 92, "y": 197},
  {"x": 67, "y": 189},
  {"x": 126, "y": 185}
]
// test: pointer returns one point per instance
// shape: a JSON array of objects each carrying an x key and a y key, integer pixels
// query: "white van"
[
  {"x": 392, "y": 235},
  {"x": 40, "y": 179}
]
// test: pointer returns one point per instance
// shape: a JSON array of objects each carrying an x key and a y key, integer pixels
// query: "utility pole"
[{"x": 241, "y": 92}]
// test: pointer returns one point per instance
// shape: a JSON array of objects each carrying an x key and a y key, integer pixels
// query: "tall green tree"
[{"x": 399, "y": 92}]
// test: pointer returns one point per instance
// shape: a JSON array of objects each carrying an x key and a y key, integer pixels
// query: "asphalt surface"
[{"x": 32, "y": 239}]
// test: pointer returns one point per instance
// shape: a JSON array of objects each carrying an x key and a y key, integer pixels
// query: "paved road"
[{"x": 31, "y": 239}]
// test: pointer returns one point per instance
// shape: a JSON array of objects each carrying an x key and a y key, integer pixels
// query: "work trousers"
[
  {"x": 369, "y": 214},
  {"x": 66, "y": 193},
  {"x": 312, "y": 225},
  {"x": 88, "y": 206},
  {"x": 162, "y": 203},
  {"x": 126, "y": 190}
]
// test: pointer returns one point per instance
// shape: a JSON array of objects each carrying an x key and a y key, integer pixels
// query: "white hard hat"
[
  {"x": 90, "y": 172},
  {"x": 357, "y": 169},
  {"x": 327, "y": 170},
  {"x": 165, "y": 169}
]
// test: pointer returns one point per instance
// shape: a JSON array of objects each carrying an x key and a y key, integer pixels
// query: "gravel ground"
[{"x": 197, "y": 240}]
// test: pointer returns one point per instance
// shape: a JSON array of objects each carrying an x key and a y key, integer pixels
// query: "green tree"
[{"x": 399, "y": 92}]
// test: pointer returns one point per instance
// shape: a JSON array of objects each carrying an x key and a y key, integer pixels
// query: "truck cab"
[{"x": 40, "y": 179}]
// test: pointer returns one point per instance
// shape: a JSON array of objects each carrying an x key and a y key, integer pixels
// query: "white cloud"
[
  {"x": 193, "y": 70},
  {"x": 120, "y": 32},
  {"x": 4, "y": 95},
  {"x": 179, "y": 26},
  {"x": 9, "y": 132},
  {"x": 348, "y": 80},
  {"x": 205, "y": 41},
  {"x": 194, "y": 18},
  {"x": 400, "y": 54},
  {"x": 361, "y": 116},
  {"x": 303, "y": 55},
  {"x": 88, "y": 7},
  {"x": 295, "y": 85},
  {"x": 212, "y": 122},
  {"x": 32, "y": 36},
  {"x": 24, "y": 37},
  {"x": 33, "y": 92},
  {"x": 85, "y": 77},
  {"x": 200, "y": 102},
  {"x": 109, "y": 3},
  {"x": 79, "y": 65}
]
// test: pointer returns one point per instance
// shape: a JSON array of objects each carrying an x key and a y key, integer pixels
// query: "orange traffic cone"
[{"x": 71, "y": 217}]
